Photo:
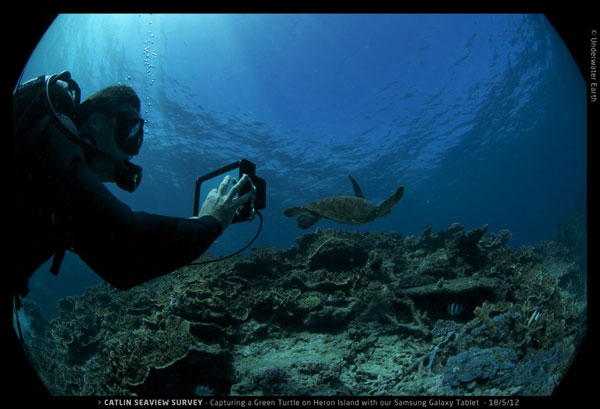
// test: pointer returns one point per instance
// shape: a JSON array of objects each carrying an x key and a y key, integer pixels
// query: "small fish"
[
  {"x": 534, "y": 317},
  {"x": 455, "y": 309}
]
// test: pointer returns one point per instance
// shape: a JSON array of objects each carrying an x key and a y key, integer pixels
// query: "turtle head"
[{"x": 386, "y": 207}]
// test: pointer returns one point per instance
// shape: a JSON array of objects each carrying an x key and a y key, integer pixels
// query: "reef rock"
[{"x": 340, "y": 313}]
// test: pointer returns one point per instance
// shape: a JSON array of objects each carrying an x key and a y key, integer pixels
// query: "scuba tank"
[{"x": 28, "y": 99}]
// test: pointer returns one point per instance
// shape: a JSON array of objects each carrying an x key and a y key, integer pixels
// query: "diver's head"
[{"x": 110, "y": 119}]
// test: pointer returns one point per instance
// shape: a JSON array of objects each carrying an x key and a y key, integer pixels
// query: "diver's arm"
[
  {"x": 146, "y": 246},
  {"x": 125, "y": 248}
]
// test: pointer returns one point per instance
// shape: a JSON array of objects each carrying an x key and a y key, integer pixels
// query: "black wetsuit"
[{"x": 58, "y": 203}]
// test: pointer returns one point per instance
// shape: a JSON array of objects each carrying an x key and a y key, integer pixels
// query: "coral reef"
[{"x": 340, "y": 313}]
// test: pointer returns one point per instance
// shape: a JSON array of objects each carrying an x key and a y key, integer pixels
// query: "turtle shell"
[{"x": 344, "y": 209}]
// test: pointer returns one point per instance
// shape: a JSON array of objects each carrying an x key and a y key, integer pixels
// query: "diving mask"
[{"x": 129, "y": 134}]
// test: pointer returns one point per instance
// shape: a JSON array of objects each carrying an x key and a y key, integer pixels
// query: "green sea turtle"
[{"x": 343, "y": 209}]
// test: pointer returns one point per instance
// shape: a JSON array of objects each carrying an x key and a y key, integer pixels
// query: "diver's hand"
[{"x": 222, "y": 205}]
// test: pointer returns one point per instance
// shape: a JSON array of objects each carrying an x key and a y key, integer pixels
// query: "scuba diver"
[
  {"x": 60, "y": 201},
  {"x": 62, "y": 153}
]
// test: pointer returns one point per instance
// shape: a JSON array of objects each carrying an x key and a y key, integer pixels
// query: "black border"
[{"x": 27, "y": 26}]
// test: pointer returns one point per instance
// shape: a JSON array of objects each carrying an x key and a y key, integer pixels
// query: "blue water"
[{"x": 481, "y": 117}]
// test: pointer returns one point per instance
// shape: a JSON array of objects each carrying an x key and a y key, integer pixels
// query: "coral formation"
[{"x": 340, "y": 313}]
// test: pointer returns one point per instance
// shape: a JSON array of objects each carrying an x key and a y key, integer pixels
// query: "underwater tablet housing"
[{"x": 212, "y": 180}]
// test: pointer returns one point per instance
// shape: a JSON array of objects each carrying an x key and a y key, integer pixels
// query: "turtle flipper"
[
  {"x": 357, "y": 191},
  {"x": 293, "y": 211},
  {"x": 307, "y": 219},
  {"x": 386, "y": 206}
]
